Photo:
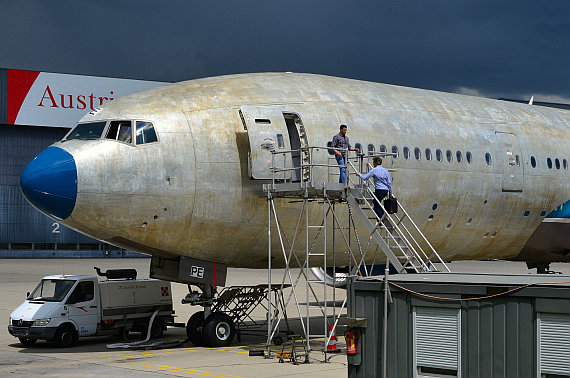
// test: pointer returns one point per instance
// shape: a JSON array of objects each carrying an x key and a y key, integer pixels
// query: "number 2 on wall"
[{"x": 55, "y": 226}]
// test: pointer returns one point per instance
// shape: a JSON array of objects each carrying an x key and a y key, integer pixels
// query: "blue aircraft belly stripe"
[{"x": 562, "y": 211}]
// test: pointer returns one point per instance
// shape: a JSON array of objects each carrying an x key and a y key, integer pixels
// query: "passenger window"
[
  {"x": 359, "y": 146},
  {"x": 395, "y": 152},
  {"x": 565, "y": 164},
  {"x": 549, "y": 163},
  {"x": 370, "y": 149},
  {"x": 146, "y": 134},
  {"x": 488, "y": 158},
  {"x": 533, "y": 161},
  {"x": 468, "y": 157},
  {"x": 383, "y": 148},
  {"x": 406, "y": 153},
  {"x": 517, "y": 160},
  {"x": 121, "y": 131},
  {"x": 280, "y": 142},
  {"x": 438, "y": 155},
  {"x": 459, "y": 156},
  {"x": 557, "y": 162},
  {"x": 428, "y": 154},
  {"x": 449, "y": 156},
  {"x": 417, "y": 153}
]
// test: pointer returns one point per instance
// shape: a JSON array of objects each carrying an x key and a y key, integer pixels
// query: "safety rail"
[
  {"x": 308, "y": 178},
  {"x": 411, "y": 251}
]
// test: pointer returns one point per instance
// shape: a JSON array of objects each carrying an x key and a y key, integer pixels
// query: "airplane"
[{"x": 176, "y": 171}]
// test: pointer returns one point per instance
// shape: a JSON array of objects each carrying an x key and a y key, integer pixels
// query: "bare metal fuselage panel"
[{"x": 192, "y": 192}]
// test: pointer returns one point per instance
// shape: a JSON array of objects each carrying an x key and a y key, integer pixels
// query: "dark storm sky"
[{"x": 512, "y": 48}]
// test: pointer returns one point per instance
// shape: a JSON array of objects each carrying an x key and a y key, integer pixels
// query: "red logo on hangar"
[{"x": 164, "y": 290}]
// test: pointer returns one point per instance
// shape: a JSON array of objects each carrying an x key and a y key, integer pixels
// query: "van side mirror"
[{"x": 28, "y": 294}]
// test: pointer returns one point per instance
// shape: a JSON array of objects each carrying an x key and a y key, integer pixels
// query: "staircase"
[{"x": 397, "y": 235}]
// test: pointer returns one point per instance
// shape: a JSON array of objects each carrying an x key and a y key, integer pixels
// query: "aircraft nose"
[{"x": 49, "y": 182}]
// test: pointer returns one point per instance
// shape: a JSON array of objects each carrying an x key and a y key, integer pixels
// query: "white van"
[{"x": 63, "y": 308}]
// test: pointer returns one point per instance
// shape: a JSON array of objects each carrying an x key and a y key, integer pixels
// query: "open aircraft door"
[
  {"x": 271, "y": 129},
  {"x": 511, "y": 159}
]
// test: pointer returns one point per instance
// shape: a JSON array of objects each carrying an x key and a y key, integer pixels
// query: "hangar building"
[{"x": 37, "y": 109}]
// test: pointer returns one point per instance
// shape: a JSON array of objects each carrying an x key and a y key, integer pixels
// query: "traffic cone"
[{"x": 331, "y": 348}]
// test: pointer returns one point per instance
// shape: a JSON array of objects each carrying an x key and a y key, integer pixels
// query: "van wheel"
[
  {"x": 218, "y": 330},
  {"x": 66, "y": 336},
  {"x": 27, "y": 341},
  {"x": 194, "y": 328},
  {"x": 157, "y": 329}
]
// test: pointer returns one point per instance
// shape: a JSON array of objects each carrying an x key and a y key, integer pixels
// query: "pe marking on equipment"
[{"x": 197, "y": 271}]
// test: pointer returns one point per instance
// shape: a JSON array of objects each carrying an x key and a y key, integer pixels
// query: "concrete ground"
[{"x": 92, "y": 358}]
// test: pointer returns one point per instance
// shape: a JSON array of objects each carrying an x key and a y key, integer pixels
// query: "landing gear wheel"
[
  {"x": 218, "y": 330},
  {"x": 27, "y": 341},
  {"x": 193, "y": 328},
  {"x": 66, "y": 336},
  {"x": 277, "y": 340},
  {"x": 157, "y": 329}
]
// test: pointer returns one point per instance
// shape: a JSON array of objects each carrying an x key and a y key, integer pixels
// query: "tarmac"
[{"x": 90, "y": 357}]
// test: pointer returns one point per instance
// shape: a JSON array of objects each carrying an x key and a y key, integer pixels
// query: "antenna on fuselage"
[{"x": 531, "y": 100}]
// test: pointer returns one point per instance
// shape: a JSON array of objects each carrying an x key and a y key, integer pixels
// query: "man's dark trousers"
[{"x": 380, "y": 194}]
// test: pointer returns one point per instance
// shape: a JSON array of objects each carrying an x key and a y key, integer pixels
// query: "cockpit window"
[
  {"x": 92, "y": 130},
  {"x": 145, "y": 132},
  {"x": 121, "y": 131}
]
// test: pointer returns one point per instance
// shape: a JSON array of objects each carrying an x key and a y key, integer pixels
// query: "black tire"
[
  {"x": 218, "y": 330},
  {"x": 66, "y": 336},
  {"x": 194, "y": 328},
  {"x": 278, "y": 340},
  {"x": 27, "y": 341},
  {"x": 157, "y": 329}
]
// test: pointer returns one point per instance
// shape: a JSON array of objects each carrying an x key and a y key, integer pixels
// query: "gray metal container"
[{"x": 520, "y": 326}]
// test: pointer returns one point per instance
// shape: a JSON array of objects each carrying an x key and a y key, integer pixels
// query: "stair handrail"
[
  {"x": 407, "y": 243},
  {"x": 432, "y": 249},
  {"x": 402, "y": 235},
  {"x": 406, "y": 215}
]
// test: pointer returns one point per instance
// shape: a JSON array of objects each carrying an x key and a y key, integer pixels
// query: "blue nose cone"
[{"x": 49, "y": 182}]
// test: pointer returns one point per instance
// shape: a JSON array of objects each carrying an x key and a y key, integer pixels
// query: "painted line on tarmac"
[
  {"x": 190, "y": 371},
  {"x": 151, "y": 353},
  {"x": 170, "y": 351}
]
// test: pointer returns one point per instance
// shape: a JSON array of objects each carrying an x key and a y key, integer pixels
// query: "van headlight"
[{"x": 41, "y": 322}]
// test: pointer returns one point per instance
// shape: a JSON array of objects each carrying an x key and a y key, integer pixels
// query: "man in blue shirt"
[{"x": 382, "y": 183}]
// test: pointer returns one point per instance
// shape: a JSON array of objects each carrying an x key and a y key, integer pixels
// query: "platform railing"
[{"x": 307, "y": 170}]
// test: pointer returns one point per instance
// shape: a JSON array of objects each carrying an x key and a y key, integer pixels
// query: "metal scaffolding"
[{"x": 396, "y": 237}]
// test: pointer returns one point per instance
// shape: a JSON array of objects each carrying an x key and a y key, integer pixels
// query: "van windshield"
[
  {"x": 91, "y": 130},
  {"x": 51, "y": 290}
]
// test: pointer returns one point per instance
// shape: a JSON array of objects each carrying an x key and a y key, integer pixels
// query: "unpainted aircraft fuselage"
[{"x": 485, "y": 190}]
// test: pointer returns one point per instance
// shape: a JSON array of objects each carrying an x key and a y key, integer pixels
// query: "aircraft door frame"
[
  {"x": 511, "y": 159},
  {"x": 267, "y": 131}
]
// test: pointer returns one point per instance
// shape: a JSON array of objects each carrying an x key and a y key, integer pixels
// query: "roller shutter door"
[
  {"x": 436, "y": 334},
  {"x": 554, "y": 343}
]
